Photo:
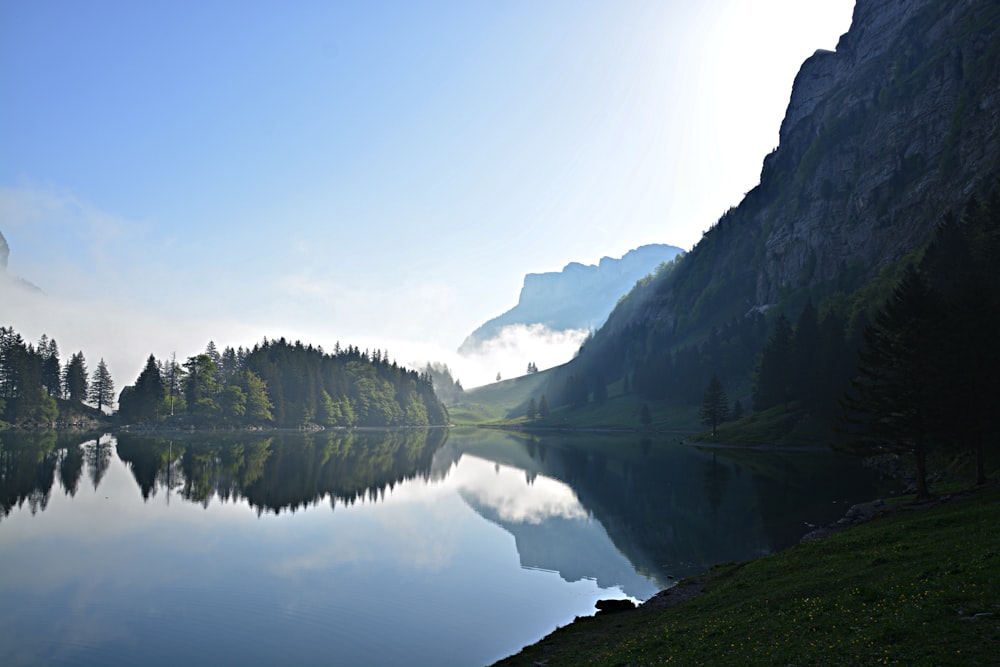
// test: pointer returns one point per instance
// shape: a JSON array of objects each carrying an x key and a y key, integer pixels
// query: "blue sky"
[{"x": 379, "y": 173}]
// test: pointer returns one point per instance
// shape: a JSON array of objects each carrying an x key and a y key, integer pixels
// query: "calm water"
[{"x": 367, "y": 548}]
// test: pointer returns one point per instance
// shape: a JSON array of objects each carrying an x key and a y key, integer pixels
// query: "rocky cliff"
[
  {"x": 880, "y": 139},
  {"x": 578, "y": 297}
]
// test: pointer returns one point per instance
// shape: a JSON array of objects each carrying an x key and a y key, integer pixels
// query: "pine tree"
[
  {"x": 895, "y": 403},
  {"x": 102, "y": 387},
  {"x": 775, "y": 369},
  {"x": 532, "y": 410},
  {"x": 75, "y": 379},
  {"x": 143, "y": 402},
  {"x": 804, "y": 378},
  {"x": 51, "y": 379},
  {"x": 543, "y": 407},
  {"x": 714, "y": 405}
]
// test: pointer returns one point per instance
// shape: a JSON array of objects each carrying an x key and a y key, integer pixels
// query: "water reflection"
[
  {"x": 603, "y": 508},
  {"x": 280, "y": 472},
  {"x": 29, "y": 463},
  {"x": 460, "y": 547},
  {"x": 552, "y": 530},
  {"x": 672, "y": 510}
]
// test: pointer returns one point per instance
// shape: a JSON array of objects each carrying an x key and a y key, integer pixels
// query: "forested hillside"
[{"x": 881, "y": 140}]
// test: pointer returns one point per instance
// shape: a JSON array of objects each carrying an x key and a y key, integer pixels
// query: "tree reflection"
[
  {"x": 284, "y": 471},
  {"x": 71, "y": 469},
  {"x": 29, "y": 462},
  {"x": 97, "y": 454}
]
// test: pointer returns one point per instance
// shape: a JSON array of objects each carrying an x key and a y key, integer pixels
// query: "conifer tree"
[
  {"x": 543, "y": 407},
  {"x": 714, "y": 405},
  {"x": 774, "y": 371},
  {"x": 102, "y": 387},
  {"x": 895, "y": 403},
  {"x": 75, "y": 379}
]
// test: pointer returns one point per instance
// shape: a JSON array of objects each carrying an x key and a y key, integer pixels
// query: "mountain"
[
  {"x": 881, "y": 139},
  {"x": 578, "y": 297},
  {"x": 5, "y": 278}
]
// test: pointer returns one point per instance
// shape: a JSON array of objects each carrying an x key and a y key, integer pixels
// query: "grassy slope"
[
  {"x": 491, "y": 403},
  {"x": 916, "y": 588},
  {"x": 502, "y": 403}
]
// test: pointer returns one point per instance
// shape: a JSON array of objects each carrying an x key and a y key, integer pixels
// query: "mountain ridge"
[
  {"x": 580, "y": 296},
  {"x": 879, "y": 141}
]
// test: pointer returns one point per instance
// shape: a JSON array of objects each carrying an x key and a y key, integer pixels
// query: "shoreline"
[{"x": 693, "y": 587}]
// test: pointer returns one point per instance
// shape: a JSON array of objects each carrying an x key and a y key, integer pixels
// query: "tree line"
[
  {"x": 274, "y": 383},
  {"x": 36, "y": 388},
  {"x": 927, "y": 373},
  {"x": 280, "y": 383}
]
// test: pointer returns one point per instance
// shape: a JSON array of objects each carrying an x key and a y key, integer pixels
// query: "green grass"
[
  {"x": 492, "y": 403},
  {"x": 915, "y": 588},
  {"x": 622, "y": 413},
  {"x": 503, "y": 403},
  {"x": 779, "y": 425}
]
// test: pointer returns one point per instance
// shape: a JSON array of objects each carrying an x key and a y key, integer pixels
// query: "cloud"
[
  {"x": 115, "y": 288},
  {"x": 102, "y": 328},
  {"x": 510, "y": 351}
]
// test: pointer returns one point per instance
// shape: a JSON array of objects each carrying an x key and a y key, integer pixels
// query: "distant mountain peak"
[{"x": 581, "y": 296}]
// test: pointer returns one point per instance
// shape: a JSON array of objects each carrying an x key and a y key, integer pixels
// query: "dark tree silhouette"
[
  {"x": 714, "y": 405},
  {"x": 894, "y": 405}
]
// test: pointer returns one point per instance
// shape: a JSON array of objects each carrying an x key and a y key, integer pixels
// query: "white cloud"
[{"x": 510, "y": 351}]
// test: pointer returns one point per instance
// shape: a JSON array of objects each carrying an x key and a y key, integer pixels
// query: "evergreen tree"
[
  {"x": 645, "y": 418},
  {"x": 23, "y": 399},
  {"x": 102, "y": 387},
  {"x": 532, "y": 410},
  {"x": 258, "y": 405},
  {"x": 775, "y": 369},
  {"x": 51, "y": 367},
  {"x": 714, "y": 405},
  {"x": 895, "y": 403},
  {"x": 804, "y": 378},
  {"x": 543, "y": 407},
  {"x": 173, "y": 379},
  {"x": 143, "y": 401},
  {"x": 75, "y": 379},
  {"x": 960, "y": 265}
]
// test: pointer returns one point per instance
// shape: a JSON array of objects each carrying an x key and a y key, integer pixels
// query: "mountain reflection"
[
  {"x": 552, "y": 530},
  {"x": 619, "y": 510},
  {"x": 671, "y": 510}
]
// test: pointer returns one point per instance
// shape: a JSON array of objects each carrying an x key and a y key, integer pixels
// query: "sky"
[{"x": 372, "y": 172}]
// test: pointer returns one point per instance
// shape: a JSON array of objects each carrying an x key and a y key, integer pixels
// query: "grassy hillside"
[
  {"x": 503, "y": 403},
  {"x": 917, "y": 587},
  {"x": 494, "y": 403}
]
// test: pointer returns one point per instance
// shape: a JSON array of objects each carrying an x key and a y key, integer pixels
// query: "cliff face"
[
  {"x": 578, "y": 297},
  {"x": 880, "y": 139}
]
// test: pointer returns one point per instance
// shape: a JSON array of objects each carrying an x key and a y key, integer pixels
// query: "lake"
[{"x": 369, "y": 547}]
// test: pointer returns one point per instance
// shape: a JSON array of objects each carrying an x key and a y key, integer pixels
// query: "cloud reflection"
[{"x": 515, "y": 495}]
